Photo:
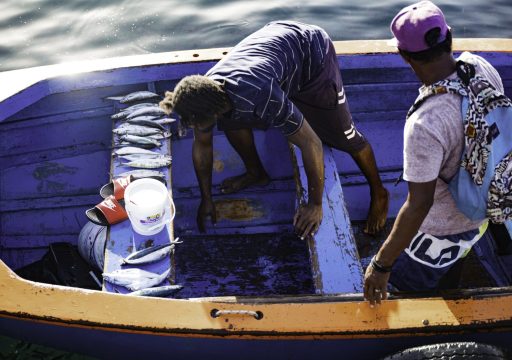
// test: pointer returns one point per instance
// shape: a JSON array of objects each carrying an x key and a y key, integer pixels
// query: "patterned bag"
[{"x": 484, "y": 188}]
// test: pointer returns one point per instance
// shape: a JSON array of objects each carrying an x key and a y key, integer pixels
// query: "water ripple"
[{"x": 52, "y": 31}]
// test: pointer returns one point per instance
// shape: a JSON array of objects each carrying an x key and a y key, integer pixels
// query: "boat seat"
[
  {"x": 123, "y": 240},
  {"x": 334, "y": 259}
]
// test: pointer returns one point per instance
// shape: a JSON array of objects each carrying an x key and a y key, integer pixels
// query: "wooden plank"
[
  {"x": 334, "y": 258},
  {"x": 123, "y": 240},
  {"x": 263, "y": 209},
  {"x": 271, "y": 145},
  {"x": 56, "y": 221},
  {"x": 239, "y": 212},
  {"x": 55, "y": 177}
]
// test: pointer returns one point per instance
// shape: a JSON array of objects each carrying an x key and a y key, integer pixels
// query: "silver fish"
[
  {"x": 121, "y": 144},
  {"x": 130, "y": 129},
  {"x": 130, "y": 150},
  {"x": 149, "y": 163},
  {"x": 141, "y": 173},
  {"x": 126, "y": 111},
  {"x": 147, "y": 111},
  {"x": 159, "y": 291},
  {"x": 135, "y": 96},
  {"x": 134, "y": 139},
  {"x": 137, "y": 157},
  {"x": 135, "y": 279},
  {"x": 145, "y": 122},
  {"x": 164, "y": 120},
  {"x": 159, "y": 136},
  {"x": 151, "y": 254}
]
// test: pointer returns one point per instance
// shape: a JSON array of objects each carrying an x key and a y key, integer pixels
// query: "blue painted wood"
[
  {"x": 55, "y": 177},
  {"x": 257, "y": 209},
  {"x": 271, "y": 146},
  {"x": 238, "y": 213},
  {"x": 334, "y": 258},
  {"x": 123, "y": 240}
]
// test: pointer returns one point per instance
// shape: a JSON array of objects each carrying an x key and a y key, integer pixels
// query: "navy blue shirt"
[{"x": 266, "y": 69}]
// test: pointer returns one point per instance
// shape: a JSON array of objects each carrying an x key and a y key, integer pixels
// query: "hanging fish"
[
  {"x": 151, "y": 254},
  {"x": 159, "y": 291},
  {"x": 135, "y": 96},
  {"x": 135, "y": 279}
]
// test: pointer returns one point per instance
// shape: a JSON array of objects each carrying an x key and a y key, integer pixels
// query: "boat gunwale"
[
  {"x": 335, "y": 314},
  {"x": 22, "y": 79}
]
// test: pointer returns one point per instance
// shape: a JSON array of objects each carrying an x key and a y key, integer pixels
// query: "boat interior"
[{"x": 56, "y": 153}]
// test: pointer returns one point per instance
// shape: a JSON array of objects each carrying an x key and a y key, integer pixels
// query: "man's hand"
[
  {"x": 307, "y": 220},
  {"x": 375, "y": 285},
  {"x": 206, "y": 209}
]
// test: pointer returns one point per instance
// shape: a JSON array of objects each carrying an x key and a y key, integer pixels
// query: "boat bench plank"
[
  {"x": 255, "y": 209},
  {"x": 333, "y": 252},
  {"x": 122, "y": 240}
]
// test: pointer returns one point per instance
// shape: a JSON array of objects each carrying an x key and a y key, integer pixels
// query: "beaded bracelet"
[{"x": 378, "y": 267}]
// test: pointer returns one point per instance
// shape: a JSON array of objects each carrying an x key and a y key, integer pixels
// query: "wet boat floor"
[{"x": 250, "y": 265}]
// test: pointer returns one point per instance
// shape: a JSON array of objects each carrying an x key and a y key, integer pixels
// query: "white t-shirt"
[{"x": 433, "y": 145}]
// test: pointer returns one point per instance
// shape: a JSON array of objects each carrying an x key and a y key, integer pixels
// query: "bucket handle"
[{"x": 173, "y": 213}]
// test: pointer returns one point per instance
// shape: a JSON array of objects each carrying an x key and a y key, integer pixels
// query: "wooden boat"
[{"x": 252, "y": 288}]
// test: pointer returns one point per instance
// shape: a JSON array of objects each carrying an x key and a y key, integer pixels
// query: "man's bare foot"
[
  {"x": 237, "y": 183},
  {"x": 378, "y": 212}
]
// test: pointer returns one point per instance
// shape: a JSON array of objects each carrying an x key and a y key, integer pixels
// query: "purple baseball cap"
[{"x": 411, "y": 24}]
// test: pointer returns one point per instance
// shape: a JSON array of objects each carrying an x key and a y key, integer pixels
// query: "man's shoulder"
[{"x": 437, "y": 110}]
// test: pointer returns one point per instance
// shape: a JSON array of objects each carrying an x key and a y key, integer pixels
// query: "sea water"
[{"x": 47, "y": 32}]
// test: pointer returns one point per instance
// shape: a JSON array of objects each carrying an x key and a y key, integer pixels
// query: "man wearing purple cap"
[{"x": 430, "y": 234}]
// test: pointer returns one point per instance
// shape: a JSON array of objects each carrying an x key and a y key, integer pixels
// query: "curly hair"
[{"x": 196, "y": 99}]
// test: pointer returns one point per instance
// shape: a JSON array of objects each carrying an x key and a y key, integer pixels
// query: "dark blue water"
[{"x": 43, "y": 32}]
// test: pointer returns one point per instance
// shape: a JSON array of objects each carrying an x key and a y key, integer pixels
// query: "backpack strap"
[
  {"x": 453, "y": 86},
  {"x": 465, "y": 72},
  {"x": 479, "y": 98}
]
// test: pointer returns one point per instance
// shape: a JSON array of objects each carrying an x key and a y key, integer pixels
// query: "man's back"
[
  {"x": 433, "y": 145},
  {"x": 267, "y": 68}
]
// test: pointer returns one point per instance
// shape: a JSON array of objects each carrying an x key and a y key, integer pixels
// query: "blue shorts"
[
  {"x": 428, "y": 258},
  {"x": 324, "y": 104}
]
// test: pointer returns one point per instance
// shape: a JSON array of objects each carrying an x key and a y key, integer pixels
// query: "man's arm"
[
  {"x": 202, "y": 156},
  {"x": 407, "y": 223},
  {"x": 308, "y": 217}
]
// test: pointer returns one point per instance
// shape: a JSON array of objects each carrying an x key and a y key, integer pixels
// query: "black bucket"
[{"x": 91, "y": 244}]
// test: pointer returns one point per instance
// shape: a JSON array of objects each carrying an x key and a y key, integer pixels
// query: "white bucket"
[{"x": 149, "y": 206}]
